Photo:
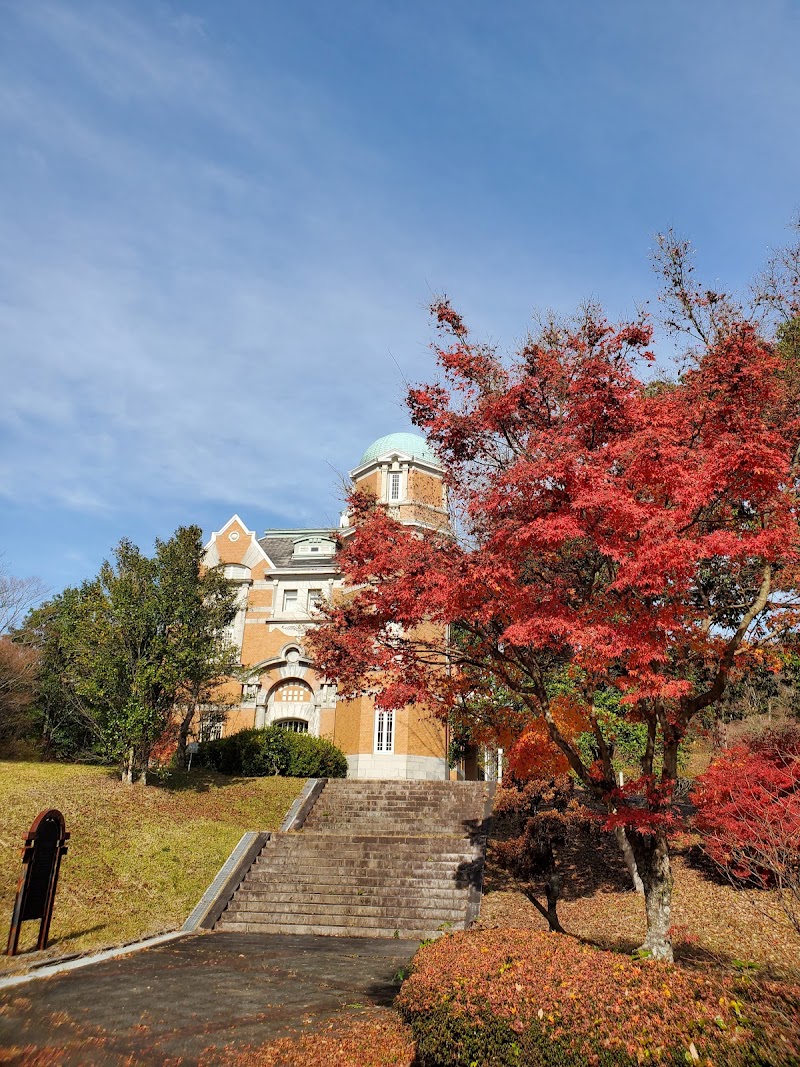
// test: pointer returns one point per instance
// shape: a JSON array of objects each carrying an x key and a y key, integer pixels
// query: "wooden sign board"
[{"x": 45, "y": 844}]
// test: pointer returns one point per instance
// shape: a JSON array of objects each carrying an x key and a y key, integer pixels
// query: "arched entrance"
[{"x": 291, "y": 703}]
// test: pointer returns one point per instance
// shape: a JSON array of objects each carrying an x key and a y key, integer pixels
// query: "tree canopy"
[
  {"x": 129, "y": 648},
  {"x": 627, "y": 529}
]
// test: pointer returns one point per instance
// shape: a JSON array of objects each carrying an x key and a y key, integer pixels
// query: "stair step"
[
  {"x": 398, "y": 846},
  {"x": 396, "y": 857},
  {"x": 347, "y": 825},
  {"x": 435, "y": 915},
  {"x": 350, "y": 863},
  {"x": 357, "y": 858},
  {"x": 365, "y": 835},
  {"x": 427, "y": 920},
  {"x": 375, "y": 896},
  {"x": 393, "y": 881},
  {"x": 401, "y": 932}
]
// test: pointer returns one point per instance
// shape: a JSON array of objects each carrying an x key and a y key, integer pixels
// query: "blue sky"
[{"x": 222, "y": 224}]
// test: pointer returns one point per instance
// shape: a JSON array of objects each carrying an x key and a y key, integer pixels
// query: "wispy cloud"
[
  {"x": 159, "y": 347},
  {"x": 210, "y": 243}
]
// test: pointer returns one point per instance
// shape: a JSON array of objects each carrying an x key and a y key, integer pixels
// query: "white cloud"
[
  {"x": 203, "y": 266},
  {"x": 181, "y": 353}
]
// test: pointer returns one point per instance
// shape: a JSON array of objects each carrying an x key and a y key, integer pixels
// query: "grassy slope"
[{"x": 139, "y": 857}]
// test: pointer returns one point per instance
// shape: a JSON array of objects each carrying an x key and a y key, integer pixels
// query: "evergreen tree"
[{"x": 137, "y": 646}]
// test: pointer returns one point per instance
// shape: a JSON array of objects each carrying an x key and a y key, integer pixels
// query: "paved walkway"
[{"x": 178, "y": 1002}]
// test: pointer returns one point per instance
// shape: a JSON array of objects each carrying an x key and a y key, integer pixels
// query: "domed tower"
[{"x": 402, "y": 471}]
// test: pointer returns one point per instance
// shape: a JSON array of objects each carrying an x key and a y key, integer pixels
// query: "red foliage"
[
  {"x": 642, "y": 534},
  {"x": 620, "y": 528},
  {"x": 748, "y": 810},
  {"x": 534, "y": 755},
  {"x": 376, "y": 1038},
  {"x": 532, "y": 825}
]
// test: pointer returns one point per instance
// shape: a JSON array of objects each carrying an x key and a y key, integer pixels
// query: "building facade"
[{"x": 282, "y": 577}]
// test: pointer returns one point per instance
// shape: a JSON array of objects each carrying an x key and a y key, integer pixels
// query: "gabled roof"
[{"x": 255, "y": 544}]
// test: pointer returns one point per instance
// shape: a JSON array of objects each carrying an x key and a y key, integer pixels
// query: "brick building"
[{"x": 282, "y": 576}]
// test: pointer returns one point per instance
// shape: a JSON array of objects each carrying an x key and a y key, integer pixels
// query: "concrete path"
[{"x": 177, "y": 1003}]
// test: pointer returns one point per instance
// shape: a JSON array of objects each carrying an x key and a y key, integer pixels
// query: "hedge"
[
  {"x": 258, "y": 753},
  {"x": 528, "y": 999}
]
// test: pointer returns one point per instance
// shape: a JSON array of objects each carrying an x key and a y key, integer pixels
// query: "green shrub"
[
  {"x": 265, "y": 752},
  {"x": 315, "y": 757},
  {"x": 274, "y": 751},
  {"x": 528, "y": 999},
  {"x": 224, "y": 755}
]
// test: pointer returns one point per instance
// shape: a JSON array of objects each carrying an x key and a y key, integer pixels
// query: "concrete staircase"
[{"x": 373, "y": 858}]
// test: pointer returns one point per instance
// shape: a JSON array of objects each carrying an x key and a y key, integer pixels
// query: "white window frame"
[
  {"x": 383, "y": 742},
  {"x": 316, "y": 596},
  {"x": 291, "y": 599},
  {"x": 395, "y": 482},
  {"x": 211, "y": 725}
]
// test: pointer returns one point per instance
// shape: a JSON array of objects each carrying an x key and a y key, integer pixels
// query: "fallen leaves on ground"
[
  {"x": 376, "y": 1038},
  {"x": 712, "y": 923}
]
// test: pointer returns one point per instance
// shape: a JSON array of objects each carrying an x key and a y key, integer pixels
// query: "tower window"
[
  {"x": 290, "y": 600},
  {"x": 394, "y": 486},
  {"x": 384, "y": 730}
]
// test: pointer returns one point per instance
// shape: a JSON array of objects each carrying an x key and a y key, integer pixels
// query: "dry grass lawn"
[{"x": 139, "y": 858}]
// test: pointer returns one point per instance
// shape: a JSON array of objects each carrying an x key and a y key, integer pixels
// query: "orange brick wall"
[
  {"x": 371, "y": 483},
  {"x": 425, "y": 488}
]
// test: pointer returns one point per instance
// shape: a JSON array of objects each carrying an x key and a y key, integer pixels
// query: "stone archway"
[{"x": 292, "y": 699}]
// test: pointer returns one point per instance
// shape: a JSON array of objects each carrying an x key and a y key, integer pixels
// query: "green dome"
[{"x": 410, "y": 443}]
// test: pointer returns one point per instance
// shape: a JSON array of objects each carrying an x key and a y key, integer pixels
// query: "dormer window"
[
  {"x": 236, "y": 572},
  {"x": 307, "y": 547}
]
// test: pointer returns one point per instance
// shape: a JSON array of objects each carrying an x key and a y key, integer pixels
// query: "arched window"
[
  {"x": 295, "y": 726},
  {"x": 292, "y": 691}
]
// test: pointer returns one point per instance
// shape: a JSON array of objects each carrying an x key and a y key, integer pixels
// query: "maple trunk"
[
  {"x": 553, "y": 892},
  {"x": 552, "y": 889},
  {"x": 630, "y": 858},
  {"x": 183, "y": 736},
  {"x": 653, "y": 863}
]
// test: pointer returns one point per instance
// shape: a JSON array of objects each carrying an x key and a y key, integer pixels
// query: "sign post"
[{"x": 45, "y": 844}]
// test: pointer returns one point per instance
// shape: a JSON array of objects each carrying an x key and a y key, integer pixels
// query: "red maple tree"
[
  {"x": 748, "y": 811},
  {"x": 622, "y": 530}
]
